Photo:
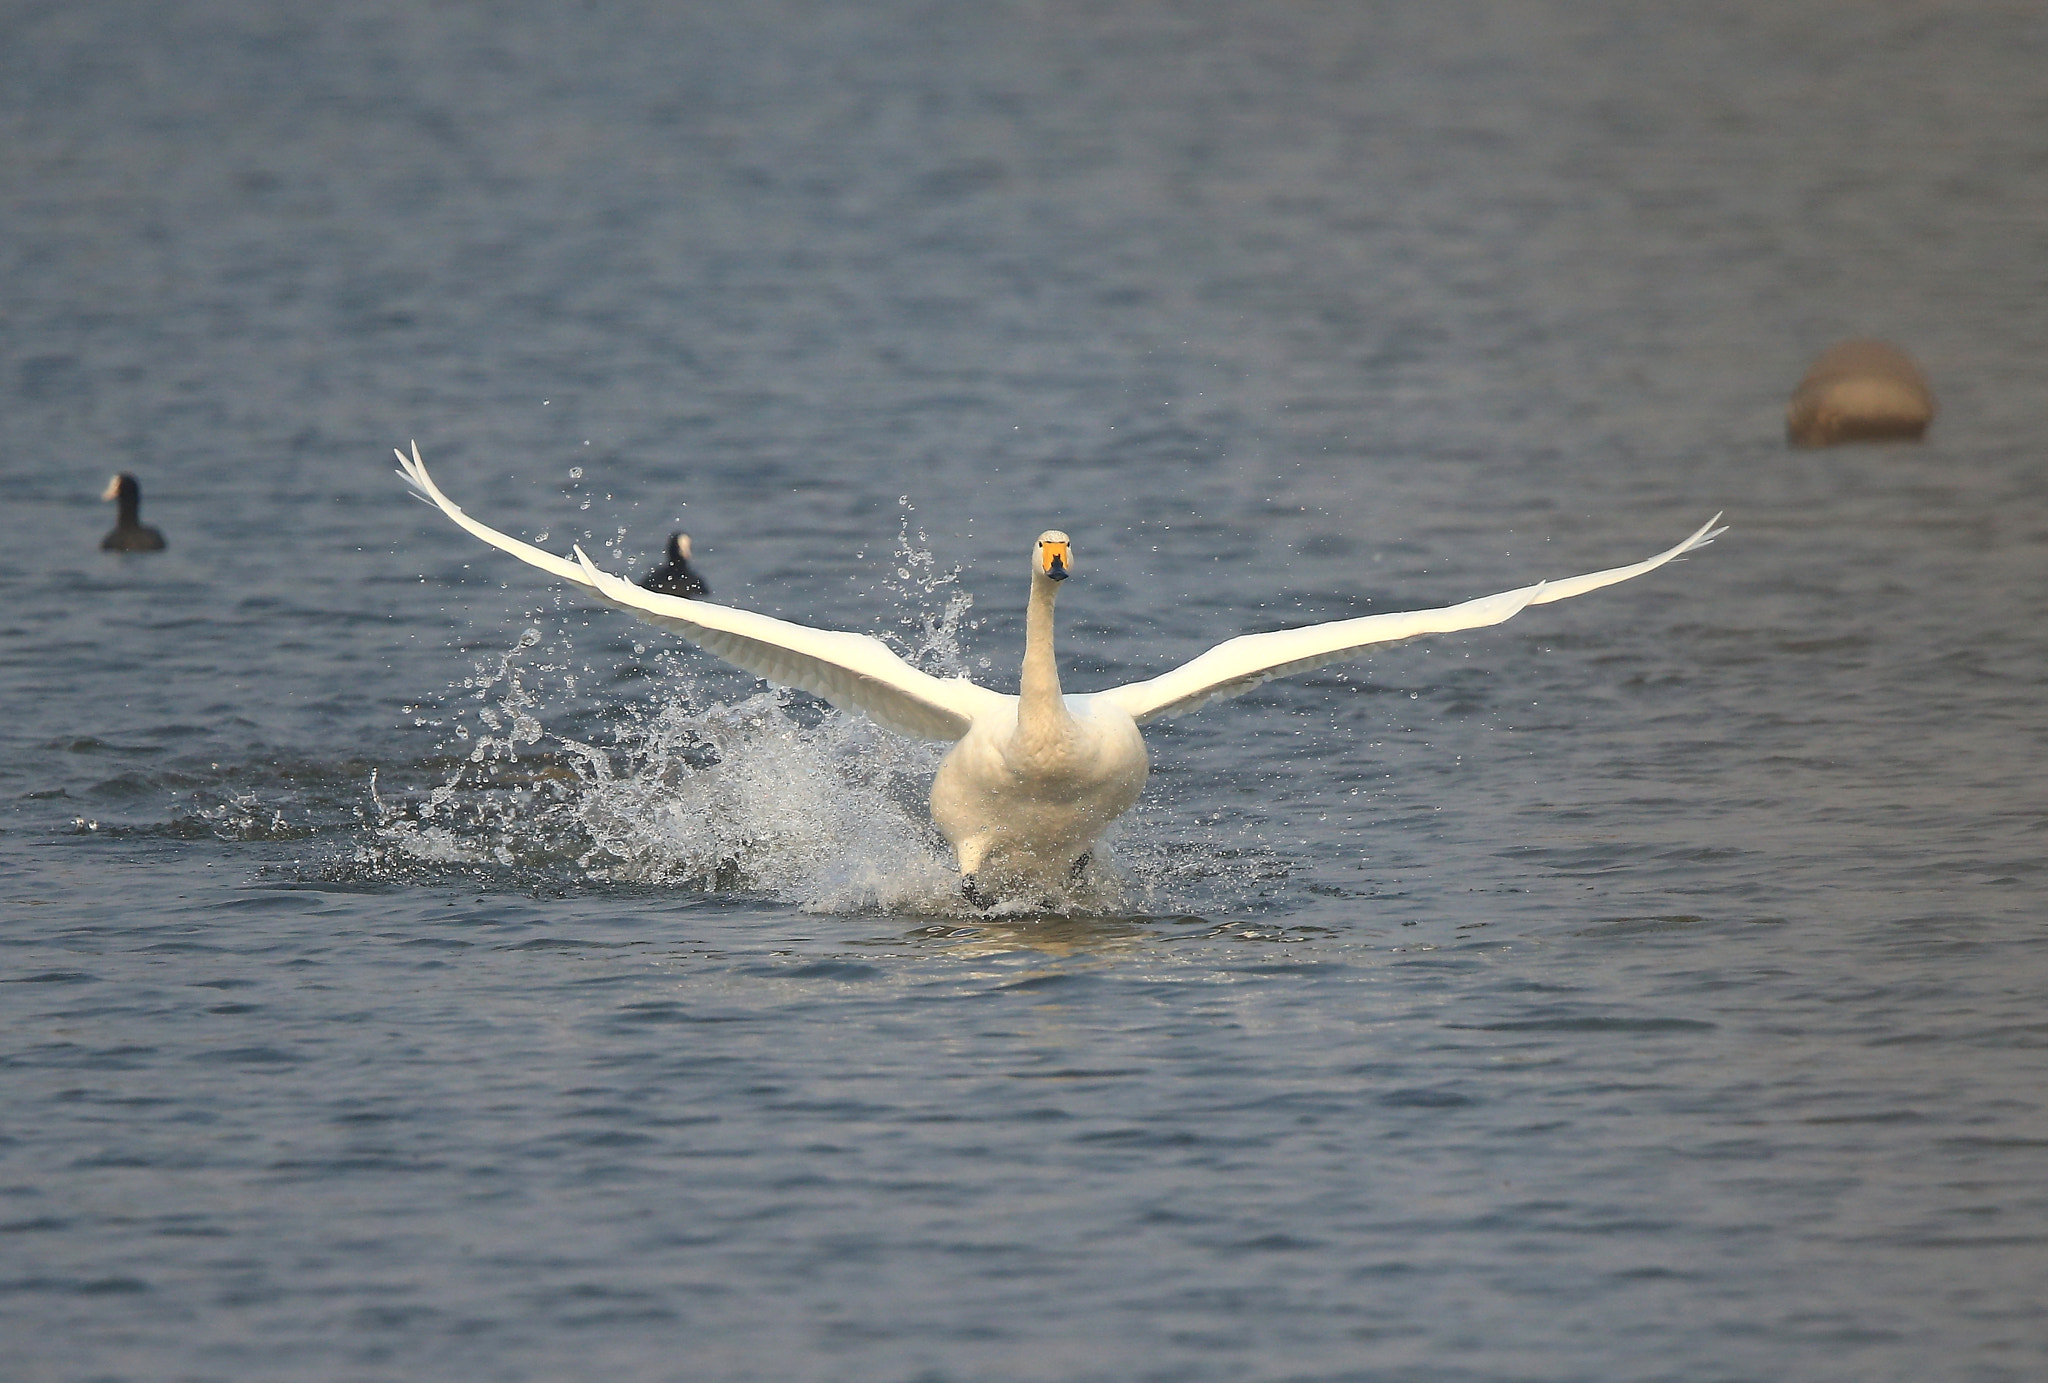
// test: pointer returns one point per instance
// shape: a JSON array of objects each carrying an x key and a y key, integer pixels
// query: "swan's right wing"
[
  {"x": 852, "y": 671},
  {"x": 1237, "y": 665}
]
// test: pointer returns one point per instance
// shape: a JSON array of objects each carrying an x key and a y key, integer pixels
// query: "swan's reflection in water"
[
  {"x": 1066, "y": 936},
  {"x": 1046, "y": 935}
]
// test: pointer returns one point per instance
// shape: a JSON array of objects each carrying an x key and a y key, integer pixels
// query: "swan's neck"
[
  {"x": 1042, "y": 720},
  {"x": 130, "y": 498}
]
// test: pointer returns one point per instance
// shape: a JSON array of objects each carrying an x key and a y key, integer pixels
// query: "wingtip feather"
[
  {"x": 415, "y": 472},
  {"x": 1706, "y": 533}
]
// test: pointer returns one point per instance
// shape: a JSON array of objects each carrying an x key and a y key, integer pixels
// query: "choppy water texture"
[{"x": 414, "y": 972}]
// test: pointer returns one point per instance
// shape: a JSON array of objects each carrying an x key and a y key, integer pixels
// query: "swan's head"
[
  {"x": 1051, "y": 559},
  {"x": 120, "y": 484},
  {"x": 678, "y": 547}
]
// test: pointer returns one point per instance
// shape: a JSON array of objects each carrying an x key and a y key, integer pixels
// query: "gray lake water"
[{"x": 414, "y": 971}]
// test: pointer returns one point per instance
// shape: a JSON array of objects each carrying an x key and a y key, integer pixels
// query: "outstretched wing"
[
  {"x": 1237, "y": 665},
  {"x": 852, "y": 671}
]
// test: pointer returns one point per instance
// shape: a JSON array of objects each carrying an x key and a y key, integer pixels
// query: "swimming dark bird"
[
  {"x": 129, "y": 533},
  {"x": 676, "y": 576}
]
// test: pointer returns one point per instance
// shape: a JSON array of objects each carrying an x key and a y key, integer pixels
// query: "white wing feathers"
[
  {"x": 1237, "y": 665},
  {"x": 1593, "y": 581},
  {"x": 853, "y": 671},
  {"x": 415, "y": 472}
]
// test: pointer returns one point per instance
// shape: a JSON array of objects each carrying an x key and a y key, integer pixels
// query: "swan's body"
[
  {"x": 1038, "y": 775},
  {"x": 1032, "y": 780}
]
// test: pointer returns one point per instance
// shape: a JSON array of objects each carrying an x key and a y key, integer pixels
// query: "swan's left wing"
[
  {"x": 1237, "y": 665},
  {"x": 852, "y": 671}
]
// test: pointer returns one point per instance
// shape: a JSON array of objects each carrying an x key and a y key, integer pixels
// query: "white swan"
[{"x": 1033, "y": 779}]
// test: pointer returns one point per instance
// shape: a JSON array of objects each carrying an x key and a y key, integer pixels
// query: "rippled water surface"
[{"x": 413, "y": 971}]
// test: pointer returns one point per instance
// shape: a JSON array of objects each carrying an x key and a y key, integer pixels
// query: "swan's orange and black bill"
[{"x": 1054, "y": 560}]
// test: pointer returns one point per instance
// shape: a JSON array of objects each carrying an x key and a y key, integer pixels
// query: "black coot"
[
  {"x": 676, "y": 576},
  {"x": 129, "y": 533}
]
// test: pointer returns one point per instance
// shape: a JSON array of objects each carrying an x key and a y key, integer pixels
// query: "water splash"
[
  {"x": 933, "y": 606},
  {"x": 773, "y": 795},
  {"x": 246, "y": 816}
]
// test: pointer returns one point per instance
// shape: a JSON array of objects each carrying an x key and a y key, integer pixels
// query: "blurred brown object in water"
[{"x": 1860, "y": 391}]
